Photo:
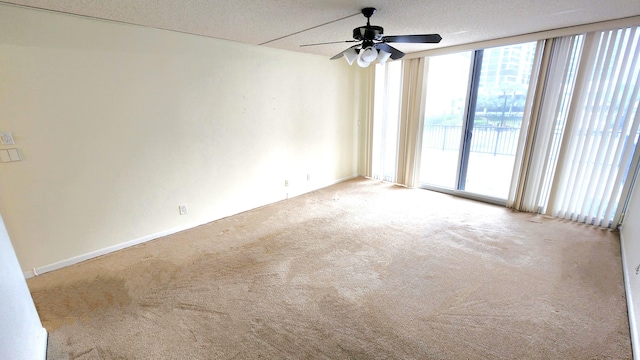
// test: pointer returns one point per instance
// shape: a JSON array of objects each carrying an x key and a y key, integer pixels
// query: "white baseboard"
[
  {"x": 44, "y": 341},
  {"x": 76, "y": 259},
  {"x": 343, "y": 179},
  {"x": 633, "y": 325},
  {"x": 322, "y": 186}
]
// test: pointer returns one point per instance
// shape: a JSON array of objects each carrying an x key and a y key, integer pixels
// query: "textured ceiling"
[{"x": 261, "y": 22}]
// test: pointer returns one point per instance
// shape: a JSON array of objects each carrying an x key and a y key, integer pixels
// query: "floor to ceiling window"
[{"x": 474, "y": 106}]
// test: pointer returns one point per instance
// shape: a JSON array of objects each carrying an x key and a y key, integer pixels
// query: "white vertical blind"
[
  {"x": 386, "y": 119},
  {"x": 521, "y": 166},
  {"x": 601, "y": 129},
  {"x": 559, "y": 92},
  {"x": 558, "y": 77}
]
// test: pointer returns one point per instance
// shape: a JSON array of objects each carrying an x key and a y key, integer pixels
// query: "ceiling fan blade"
[
  {"x": 414, "y": 39},
  {"x": 395, "y": 53},
  {"x": 338, "y": 56},
  {"x": 330, "y": 42}
]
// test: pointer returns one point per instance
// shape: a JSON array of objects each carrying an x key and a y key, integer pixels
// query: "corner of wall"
[{"x": 627, "y": 271}]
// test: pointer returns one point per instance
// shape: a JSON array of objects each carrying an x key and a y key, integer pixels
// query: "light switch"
[
  {"x": 14, "y": 155},
  {"x": 10, "y": 155},
  {"x": 6, "y": 138},
  {"x": 4, "y": 156}
]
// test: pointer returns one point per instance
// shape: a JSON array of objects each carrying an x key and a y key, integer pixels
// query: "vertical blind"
[
  {"x": 386, "y": 115},
  {"x": 601, "y": 127},
  {"x": 548, "y": 123}
]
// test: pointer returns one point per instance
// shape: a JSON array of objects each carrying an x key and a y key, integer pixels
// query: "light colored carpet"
[{"x": 359, "y": 270}]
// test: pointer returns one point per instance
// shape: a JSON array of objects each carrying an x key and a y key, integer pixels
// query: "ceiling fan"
[{"x": 373, "y": 45}]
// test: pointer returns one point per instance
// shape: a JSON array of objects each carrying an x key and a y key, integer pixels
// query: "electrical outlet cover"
[{"x": 6, "y": 138}]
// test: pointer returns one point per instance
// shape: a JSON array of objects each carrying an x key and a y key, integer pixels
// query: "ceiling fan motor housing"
[{"x": 368, "y": 32}]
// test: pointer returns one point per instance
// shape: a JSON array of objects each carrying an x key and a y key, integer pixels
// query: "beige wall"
[{"x": 118, "y": 125}]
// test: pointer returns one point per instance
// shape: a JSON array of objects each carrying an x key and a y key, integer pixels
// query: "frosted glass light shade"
[
  {"x": 350, "y": 55},
  {"x": 383, "y": 56},
  {"x": 363, "y": 63},
  {"x": 369, "y": 54}
]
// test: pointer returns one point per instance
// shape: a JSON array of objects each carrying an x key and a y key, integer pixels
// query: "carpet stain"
[{"x": 66, "y": 304}]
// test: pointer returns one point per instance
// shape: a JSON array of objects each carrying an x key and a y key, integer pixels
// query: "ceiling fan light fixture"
[
  {"x": 374, "y": 46},
  {"x": 369, "y": 54},
  {"x": 383, "y": 56},
  {"x": 350, "y": 55}
]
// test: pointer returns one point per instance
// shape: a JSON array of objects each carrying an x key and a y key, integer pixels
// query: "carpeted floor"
[{"x": 359, "y": 270}]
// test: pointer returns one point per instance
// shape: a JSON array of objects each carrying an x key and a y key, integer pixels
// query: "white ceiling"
[{"x": 259, "y": 21}]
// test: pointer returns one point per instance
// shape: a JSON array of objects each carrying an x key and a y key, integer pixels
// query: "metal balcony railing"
[{"x": 496, "y": 140}]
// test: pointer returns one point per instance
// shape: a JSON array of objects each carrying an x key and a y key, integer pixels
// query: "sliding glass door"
[
  {"x": 474, "y": 106},
  {"x": 495, "y": 117}
]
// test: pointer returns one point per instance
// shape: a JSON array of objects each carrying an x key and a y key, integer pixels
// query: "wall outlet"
[
  {"x": 183, "y": 209},
  {"x": 6, "y": 138},
  {"x": 286, "y": 183}
]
